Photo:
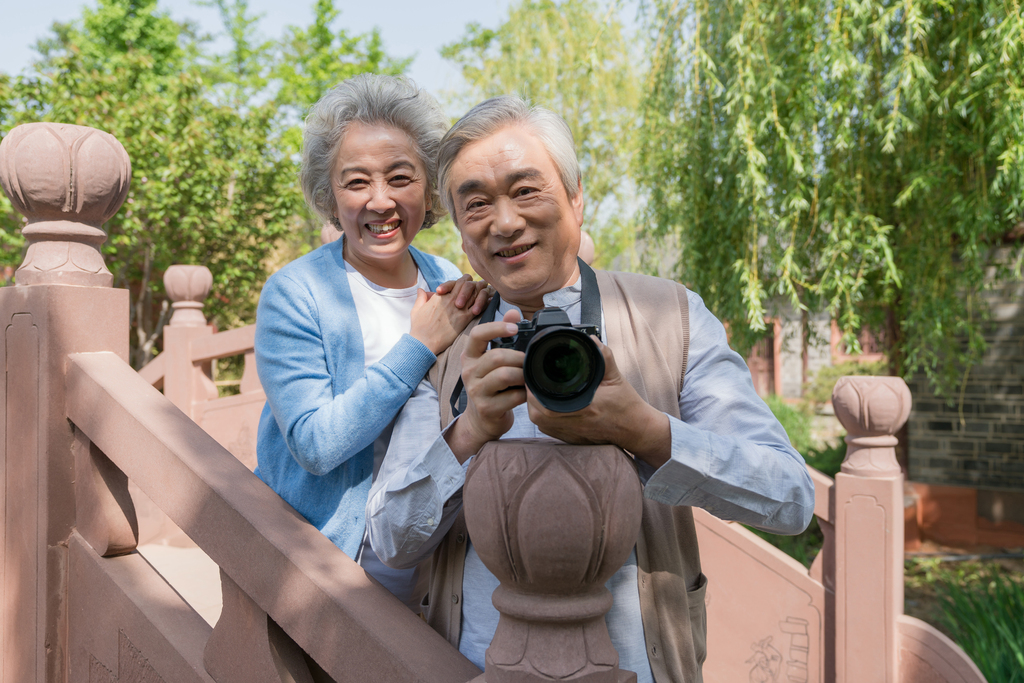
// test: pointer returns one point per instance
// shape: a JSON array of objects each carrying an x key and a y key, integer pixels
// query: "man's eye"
[
  {"x": 523, "y": 191},
  {"x": 475, "y": 204}
]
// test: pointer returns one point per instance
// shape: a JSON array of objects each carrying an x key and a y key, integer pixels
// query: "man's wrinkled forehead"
[{"x": 501, "y": 159}]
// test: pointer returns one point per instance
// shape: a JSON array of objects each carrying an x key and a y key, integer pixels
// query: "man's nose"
[
  {"x": 380, "y": 199},
  {"x": 507, "y": 220}
]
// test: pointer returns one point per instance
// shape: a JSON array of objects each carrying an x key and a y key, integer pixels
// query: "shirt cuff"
[
  {"x": 687, "y": 468},
  {"x": 444, "y": 468},
  {"x": 409, "y": 359}
]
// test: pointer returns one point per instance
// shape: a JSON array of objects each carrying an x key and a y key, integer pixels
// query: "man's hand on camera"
[
  {"x": 617, "y": 415},
  {"x": 494, "y": 385}
]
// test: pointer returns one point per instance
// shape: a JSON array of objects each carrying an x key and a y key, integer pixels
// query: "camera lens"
[
  {"x": 561, "y": 365},
  {"x": 563, "y": 368}
]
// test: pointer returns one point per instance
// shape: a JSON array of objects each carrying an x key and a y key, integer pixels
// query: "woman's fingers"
[
  {"x": 450, "y": 285},
  {"x": 466, "y": 292}
]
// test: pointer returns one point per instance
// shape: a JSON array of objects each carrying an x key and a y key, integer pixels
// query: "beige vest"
[{"x": 647, "y": 327}]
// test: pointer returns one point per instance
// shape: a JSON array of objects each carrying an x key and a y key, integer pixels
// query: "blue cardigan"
[{"x": 324, "y": 410}]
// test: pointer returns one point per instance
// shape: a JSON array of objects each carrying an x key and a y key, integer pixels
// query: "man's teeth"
[
  {"x": 515, "y": 252},
  {"x": 381, "y": 229}
]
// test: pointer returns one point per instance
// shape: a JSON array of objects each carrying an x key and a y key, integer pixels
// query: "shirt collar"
[{"x": 562, "y": 298}]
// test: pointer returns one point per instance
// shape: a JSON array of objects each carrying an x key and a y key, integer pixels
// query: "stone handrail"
[{"x": 273, "y": 563}]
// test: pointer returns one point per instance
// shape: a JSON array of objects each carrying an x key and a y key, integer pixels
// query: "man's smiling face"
[{"x": 520, "y": 230}]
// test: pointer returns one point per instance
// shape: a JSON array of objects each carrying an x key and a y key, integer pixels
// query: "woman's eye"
[
  {"x": 400, "y": 180},
  {"x": 355, "y": 184}
]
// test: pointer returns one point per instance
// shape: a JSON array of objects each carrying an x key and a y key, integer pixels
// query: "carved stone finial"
[
  {"x": 188, "y": 287},
  {"x": 553, "y": 522},
  {"x": 67, "y": 180},
  {"x": 872, "y": 409}
]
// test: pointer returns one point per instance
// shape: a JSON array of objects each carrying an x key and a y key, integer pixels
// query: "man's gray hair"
[
  {"x": 497, "y": 113},
  {"x": 373, "y": 100}
]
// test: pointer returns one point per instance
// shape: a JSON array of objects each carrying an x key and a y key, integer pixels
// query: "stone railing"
[
  {"x": 842, "y": 620},
  {"x": 182, "y": 370},
  {"x": 79, "y": 604},
  {"x": 80, "y": 426}
]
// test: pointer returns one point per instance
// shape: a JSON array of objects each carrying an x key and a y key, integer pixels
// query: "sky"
[{"x": 408, "y": 27}]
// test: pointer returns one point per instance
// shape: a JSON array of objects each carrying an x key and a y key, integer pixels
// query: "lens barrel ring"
[{"x": 563, "y": 368}]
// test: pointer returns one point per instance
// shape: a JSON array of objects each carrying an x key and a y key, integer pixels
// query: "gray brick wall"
[{"x": 987, "y": 448}]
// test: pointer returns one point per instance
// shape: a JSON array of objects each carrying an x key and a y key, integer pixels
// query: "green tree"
[
  {"x": 860, "y": 157},
  {"x": 244, "y": 72},
  {"x": 572, "y": 56},
  {"x": 315, "y": 58}
]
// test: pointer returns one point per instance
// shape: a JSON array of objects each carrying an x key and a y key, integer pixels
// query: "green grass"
[{"x": 984, "y": 613}]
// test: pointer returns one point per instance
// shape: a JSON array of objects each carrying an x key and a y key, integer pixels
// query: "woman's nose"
[{"x": 380, "y": 199}]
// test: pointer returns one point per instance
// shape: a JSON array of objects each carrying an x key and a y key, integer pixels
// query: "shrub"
[
  {"x": 819, "y": 390},
  {"x": 795, "y": 419},
  {"x": 986, "y": 618},
  {"x": 827, "y": 460}
]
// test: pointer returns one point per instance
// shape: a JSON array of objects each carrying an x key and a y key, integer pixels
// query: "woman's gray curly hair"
[{"x": 370, "y": 99}]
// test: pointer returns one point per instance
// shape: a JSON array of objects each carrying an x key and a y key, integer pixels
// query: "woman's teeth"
[
  {"x": 515, "y": 252},
  {"x": 382, "y": 229}
]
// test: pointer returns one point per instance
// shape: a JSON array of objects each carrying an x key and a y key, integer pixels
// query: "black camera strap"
[
  {"x": 590, "y": 298},
  {"x": 590, "y": 314}
]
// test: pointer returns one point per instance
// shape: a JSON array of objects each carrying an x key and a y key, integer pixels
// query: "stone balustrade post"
[
  {"x": 869, "y": 529},
  {"x": 553, "y": 522},
  {"x": 67, "y": 181},
  {"x": 185, "y": 384}
]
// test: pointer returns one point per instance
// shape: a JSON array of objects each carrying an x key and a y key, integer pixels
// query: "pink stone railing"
[
  {"x": 770, "y": 619},
  {"x": 183, "y": 369},
  {"x": 79, "y": 425}
]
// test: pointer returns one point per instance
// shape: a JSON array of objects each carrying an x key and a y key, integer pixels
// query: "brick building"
[{"x": 966, "y": 460}]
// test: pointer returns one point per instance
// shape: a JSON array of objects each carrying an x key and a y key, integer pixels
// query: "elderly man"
[{"x": 674, "y": 396}]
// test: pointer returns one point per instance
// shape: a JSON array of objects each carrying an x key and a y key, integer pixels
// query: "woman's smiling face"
[{"x": 380, "y": 194}]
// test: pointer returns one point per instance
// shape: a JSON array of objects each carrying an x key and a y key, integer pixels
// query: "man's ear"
[{"x": 577, "y": 205}]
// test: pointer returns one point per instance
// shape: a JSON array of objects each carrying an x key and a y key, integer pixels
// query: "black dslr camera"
[{"x": 563, "y": 365}]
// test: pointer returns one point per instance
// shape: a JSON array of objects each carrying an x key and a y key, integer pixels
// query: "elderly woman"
[{"x": 345, "y": 334}]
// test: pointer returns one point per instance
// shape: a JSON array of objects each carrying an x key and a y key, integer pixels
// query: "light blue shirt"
[{"x": 730, "y": 456}]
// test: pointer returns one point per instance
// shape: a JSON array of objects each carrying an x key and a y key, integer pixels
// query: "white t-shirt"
[
  {"x": 384, "y": 318},
  {"x": 383, "y": 313}
]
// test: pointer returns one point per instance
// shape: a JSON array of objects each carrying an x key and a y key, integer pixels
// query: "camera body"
[{"x": 563, "y": 366}]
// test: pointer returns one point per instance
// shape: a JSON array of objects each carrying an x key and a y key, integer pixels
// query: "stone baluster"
[
  {"x": 187, "y": 287},
  {"x": 247, "y": 646},
  {"x": 869, "y": 529},
  {"x": 185, "y": 383},
  {"x": 553, "y": 522},
  {"x": 67, "y": 181}
]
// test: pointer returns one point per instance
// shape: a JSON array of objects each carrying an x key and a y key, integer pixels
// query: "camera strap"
[{"x": 590, "y": 314}]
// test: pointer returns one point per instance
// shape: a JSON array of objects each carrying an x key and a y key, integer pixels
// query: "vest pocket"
[{"x": 698, "y": 618}]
